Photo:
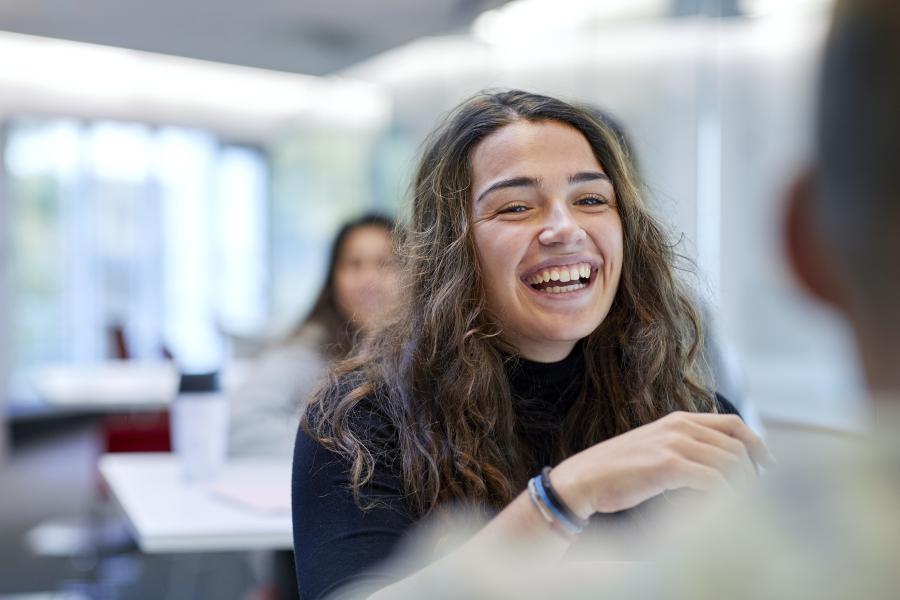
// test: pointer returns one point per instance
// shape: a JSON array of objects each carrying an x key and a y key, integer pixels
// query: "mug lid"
[{"x": 199, "y": 382}]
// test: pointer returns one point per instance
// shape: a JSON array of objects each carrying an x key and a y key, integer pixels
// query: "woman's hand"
[{"x": 681, "y": 450}]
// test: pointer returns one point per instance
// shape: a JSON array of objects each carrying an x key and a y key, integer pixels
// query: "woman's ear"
[{"x": 811, "y": 258}]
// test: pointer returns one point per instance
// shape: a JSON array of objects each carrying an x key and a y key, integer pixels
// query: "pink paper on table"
[{"x": 263, "y": 488}]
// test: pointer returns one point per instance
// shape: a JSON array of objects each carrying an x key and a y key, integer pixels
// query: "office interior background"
[{"x": 173, "y": 172}]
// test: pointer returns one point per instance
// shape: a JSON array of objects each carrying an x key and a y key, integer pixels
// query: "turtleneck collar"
[
  {"x": 547, "y": 385},
  {"x": 542, "y": 394}
]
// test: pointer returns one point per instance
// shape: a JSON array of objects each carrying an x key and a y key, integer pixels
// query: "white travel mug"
[{"x": 200, "y": 426}]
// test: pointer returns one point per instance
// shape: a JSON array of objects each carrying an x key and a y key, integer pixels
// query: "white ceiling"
[{"x": 300, "y": 36}]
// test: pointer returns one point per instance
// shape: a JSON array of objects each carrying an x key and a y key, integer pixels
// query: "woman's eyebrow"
[
  {"x": 508, "y": 183},
  {"x": 586, "y": 176}
]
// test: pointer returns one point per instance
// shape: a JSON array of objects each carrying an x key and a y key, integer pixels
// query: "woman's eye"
[
  {"x": 515, "y": 208},
  {"x": 592, "y": 201}
]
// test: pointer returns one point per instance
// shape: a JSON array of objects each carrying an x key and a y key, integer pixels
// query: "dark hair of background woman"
[
  {"x": 436, "y": 371},
  {"x": 339, "y": 330}
]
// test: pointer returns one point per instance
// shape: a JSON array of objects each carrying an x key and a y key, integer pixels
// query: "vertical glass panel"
[
  {"x": 42, "y": 163},
  {"x": 186, "y": 161},
  {"x": 241, "y": 253}
]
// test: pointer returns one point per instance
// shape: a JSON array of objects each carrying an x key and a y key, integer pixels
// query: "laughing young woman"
[{"x": 542, "y": 325}]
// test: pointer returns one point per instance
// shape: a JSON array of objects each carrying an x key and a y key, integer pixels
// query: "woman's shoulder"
[
  {"x": 355, "y": 401},
  {"x": 334, "y": 436},
  {"x": 725, "y": 407}
]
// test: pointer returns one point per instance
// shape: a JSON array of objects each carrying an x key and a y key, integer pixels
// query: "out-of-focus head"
[
  {"x": 459, "y": 235},
  {"x": 364, "y": 271},
  {"x": 361, "y": 284},
  {"x": 844, "y": 218}
]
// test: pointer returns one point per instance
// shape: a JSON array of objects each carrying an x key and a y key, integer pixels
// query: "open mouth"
[{"x": 561, "y": 279}]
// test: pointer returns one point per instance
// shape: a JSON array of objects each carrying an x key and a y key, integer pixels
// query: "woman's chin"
[
  {"x": 549, "y": 345},
  {"x": 566, "y": 330}
]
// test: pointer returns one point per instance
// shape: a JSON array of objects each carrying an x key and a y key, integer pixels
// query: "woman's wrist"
[{"x": 568, "y": 486}]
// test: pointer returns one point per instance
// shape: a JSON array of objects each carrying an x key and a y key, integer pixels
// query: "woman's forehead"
[
  {"x": 366, "y": 239},
  {"x": 529, "y": 148}
]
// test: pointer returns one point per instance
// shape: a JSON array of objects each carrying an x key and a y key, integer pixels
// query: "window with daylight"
[{"x": 115, "y": 232}]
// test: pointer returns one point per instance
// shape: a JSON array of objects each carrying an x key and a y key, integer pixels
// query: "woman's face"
[
  {"x": 365, "y": 276},
  {"x": 548, "y": 235}
]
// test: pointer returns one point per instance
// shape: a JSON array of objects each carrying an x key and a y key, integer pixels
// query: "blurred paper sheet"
[{"x": 260, "y": 487}]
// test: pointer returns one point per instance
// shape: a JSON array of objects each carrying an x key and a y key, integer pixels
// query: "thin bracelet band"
[
  {"x": 558, "y": 515},
  {"x": 558, "y": 502},
  {"x": 545, "y": 511}
]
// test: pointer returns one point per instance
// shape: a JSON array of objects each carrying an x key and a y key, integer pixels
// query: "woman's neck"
[{"x": 544, "y": 352}]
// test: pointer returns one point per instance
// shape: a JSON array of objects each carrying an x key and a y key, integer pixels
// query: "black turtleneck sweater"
[{"x": 337, "y": 544}]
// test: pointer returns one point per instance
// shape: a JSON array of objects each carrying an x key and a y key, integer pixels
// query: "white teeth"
[
  {"x": 566, "y": 288},
  {"x": 563, "y": 274}
]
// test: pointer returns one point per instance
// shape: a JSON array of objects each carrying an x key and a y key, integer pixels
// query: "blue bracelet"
[
  {"x": 558, "y": 514},
  {"x": 557, "y": 501}
]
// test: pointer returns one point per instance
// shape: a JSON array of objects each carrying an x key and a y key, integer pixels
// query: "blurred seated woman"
[
  {"x": 361, "y": 283},
  {"x": 540, "y": 324}
]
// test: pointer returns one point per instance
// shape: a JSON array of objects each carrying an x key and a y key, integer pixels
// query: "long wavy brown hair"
[{"x": 435, "y": 373}]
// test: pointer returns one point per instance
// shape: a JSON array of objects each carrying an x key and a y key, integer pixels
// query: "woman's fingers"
[
  {"x": 697, "y": 451},
  {"x": 733, "y": 463},
  {"x": 689, "y": 474},
  {"x": 734, "y": 427},
  {"x": 725, "y": 442}
]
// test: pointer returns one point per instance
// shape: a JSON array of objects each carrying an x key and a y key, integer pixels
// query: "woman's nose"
[{"x": 562, "y": 228}]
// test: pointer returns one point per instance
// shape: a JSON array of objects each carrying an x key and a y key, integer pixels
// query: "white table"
[
  {"x": 107, "y": 386},
  {"x": 119, "y": 386},
  {"x": 168, "y": 514}
]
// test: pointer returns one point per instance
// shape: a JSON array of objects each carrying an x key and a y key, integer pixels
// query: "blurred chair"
[{"x": 134, "y": 432}]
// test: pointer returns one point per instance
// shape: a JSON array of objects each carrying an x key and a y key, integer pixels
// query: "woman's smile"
[
  {"x": 566, "y": 286},
  {"x": 560, "y": 281}
]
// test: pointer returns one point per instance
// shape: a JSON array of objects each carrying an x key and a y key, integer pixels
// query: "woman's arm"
[
  {"x": 681, "y": 450},
  {"x": 336, "y": 544}
]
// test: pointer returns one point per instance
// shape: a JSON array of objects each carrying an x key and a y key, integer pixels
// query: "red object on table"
[
  {"x": 137, "y": 432},
  {"x": 134, "y": 432}
]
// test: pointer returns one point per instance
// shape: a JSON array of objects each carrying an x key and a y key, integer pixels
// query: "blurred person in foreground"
[
  {"x": 826, "y": 523},
  {"x": 542, "y": 325},
  {"x": 359, "y": 288}
]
